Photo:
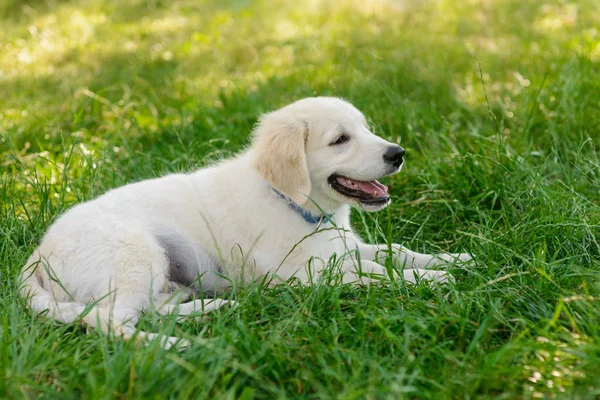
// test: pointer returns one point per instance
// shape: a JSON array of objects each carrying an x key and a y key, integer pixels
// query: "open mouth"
[{"x": 366, "y": 192}]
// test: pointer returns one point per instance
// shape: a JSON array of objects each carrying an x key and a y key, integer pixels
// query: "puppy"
[{"x": 281, "y": 208}]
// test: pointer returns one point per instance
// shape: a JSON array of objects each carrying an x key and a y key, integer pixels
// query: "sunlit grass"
[{"x": 496, "y": 102}]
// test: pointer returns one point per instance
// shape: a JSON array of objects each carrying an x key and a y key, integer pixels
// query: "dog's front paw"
[
  {"x": 430, "y": 275},
  {"x": 456, "y": 258},
  {"x": 172, "y": 342}
]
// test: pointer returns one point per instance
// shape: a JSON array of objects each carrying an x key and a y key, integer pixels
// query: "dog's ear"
[{"x": 280, "y": 145}]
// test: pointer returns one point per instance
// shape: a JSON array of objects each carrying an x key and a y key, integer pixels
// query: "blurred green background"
[{"x": 108, "y": 70}]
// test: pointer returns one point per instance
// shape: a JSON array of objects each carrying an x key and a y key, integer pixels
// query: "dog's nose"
[{"x": 394, "y": 155}]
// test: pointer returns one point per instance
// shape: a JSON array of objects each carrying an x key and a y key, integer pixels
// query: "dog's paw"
[
  {"x": 429, "y": 275},
  {"x": 173, "y": 342},
  {"x": 456, "y": 258},
  {"x": 439, "y": 276},
  {"x": 233, "y": 304},
  {"x": 176, "y": 343},
  {"x": 218, "y": 303}
]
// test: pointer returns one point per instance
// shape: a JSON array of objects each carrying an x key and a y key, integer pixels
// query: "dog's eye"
[{"x": 343, "y": 138}]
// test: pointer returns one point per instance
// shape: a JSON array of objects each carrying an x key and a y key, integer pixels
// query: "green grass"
[{"x": 497, "y": 103}]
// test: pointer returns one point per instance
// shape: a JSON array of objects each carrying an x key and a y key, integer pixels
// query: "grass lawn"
[{"x": 497, "y": 103}]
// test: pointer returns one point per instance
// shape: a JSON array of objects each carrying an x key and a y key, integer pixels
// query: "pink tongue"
[{"x": 373, "y": 188}]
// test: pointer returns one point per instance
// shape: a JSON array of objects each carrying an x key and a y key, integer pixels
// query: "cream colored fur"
[{"x": 107, "y": 260}]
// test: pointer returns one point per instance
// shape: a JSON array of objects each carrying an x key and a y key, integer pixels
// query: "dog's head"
[{"x": 322, "y": 148}]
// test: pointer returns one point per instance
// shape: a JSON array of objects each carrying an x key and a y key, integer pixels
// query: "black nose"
[{"x": 394, "y": 155}]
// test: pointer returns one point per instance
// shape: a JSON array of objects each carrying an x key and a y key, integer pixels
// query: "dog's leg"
[
  {"x": 406, "y": 258},
  {"x": 140, "y": 270},
  {"x": 368, "y": 271},
  {"x": 122, "y": 322},
  {"x": 417, "y": 274}
]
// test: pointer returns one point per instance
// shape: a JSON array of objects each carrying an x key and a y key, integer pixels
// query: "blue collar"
[{"x": 307, "y": 215}]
